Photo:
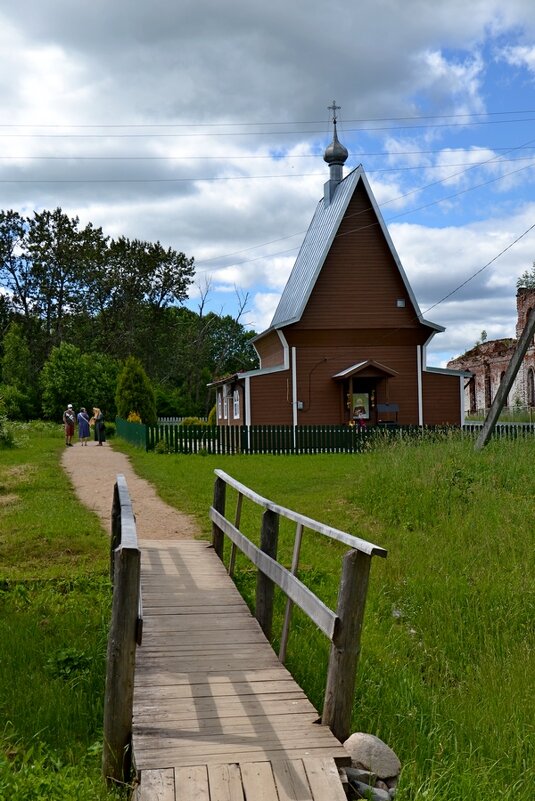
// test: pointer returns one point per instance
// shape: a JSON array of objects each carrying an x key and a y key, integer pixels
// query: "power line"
[
  {"x": 392, "y": 200},
  {"x": 266, "y": 157},
  {"x": 197, "y": 179},
  {"x": 481, "y": 269},
  {"x": 321, "y": 131},
  {"x": 414, "y": 117}
]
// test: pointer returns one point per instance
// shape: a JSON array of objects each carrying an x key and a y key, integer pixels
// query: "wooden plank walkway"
[{"x": 216, "y": 716}]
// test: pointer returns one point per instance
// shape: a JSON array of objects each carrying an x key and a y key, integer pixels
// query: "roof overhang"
[
  {"x": 366, "y": 369},
  {"x": 449, "y": 371},
  {"x": 227, "y": 379}
]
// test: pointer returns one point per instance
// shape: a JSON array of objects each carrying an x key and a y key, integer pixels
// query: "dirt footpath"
[{"x": 92, "y": 470}]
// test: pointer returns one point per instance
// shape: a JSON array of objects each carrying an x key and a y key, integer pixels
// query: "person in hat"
[{"x": 69, "y": 419}]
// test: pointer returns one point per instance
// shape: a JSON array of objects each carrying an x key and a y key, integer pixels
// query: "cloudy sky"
[{"x": 203, "y": 124}]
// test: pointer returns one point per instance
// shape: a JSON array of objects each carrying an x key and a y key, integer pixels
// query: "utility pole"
[{"x": 507, "y": 382}]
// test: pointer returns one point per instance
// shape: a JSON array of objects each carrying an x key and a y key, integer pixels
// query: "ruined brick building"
[{"x": 488, "y": 362}]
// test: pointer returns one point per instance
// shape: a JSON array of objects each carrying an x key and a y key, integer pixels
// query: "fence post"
[
  {"x": 119, "y": 693},
  {"x": 218, "y": 538},
  {"x": 265, "y": 589},
  {"x": 345, "y": 648}
]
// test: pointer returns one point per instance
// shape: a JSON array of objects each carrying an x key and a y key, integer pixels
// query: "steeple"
[{"x": 335, "y": 156}]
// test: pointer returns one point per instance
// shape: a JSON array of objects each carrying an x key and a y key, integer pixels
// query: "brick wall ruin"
[{"x": 488, "y": 363}]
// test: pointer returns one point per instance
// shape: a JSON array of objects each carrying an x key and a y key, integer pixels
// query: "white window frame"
[
  {"x": 236, "y": 404},
  {"x": 225, "y": 402},
  {"x": 219, "y": 405}
]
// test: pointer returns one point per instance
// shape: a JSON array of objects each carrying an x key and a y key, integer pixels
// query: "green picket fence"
[
  {"x": 135, "y": 433},
  {"x": 289, "y": 439}
]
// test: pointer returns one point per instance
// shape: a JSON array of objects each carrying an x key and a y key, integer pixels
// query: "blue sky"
[{"x": 203, "y": 126}]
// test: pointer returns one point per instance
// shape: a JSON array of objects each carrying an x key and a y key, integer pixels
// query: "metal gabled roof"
[
  {"x": 360, "y": 366},
  {"x": 315, "y": 247}
]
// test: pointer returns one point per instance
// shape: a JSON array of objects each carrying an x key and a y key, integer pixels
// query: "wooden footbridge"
[{"x": 205, "y": 710}]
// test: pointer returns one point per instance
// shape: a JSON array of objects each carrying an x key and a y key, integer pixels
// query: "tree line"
[{"x": 76, "y": 304}]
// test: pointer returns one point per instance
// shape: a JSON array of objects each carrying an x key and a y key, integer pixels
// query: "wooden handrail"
[
  {"x": 343, "y": 627},
  {"x": 125, "y": 633},
  {"x": 320, "y": 614},
  {"x": 307, "y": 522}
]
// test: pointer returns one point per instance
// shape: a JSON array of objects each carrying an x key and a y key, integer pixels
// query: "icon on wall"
[{"x": 361, "y": 405}]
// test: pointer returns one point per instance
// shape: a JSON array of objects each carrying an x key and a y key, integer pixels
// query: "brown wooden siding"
[
  {"x": 322, "y": 395},
  {"x": 270, "y": 350},
  {"x": 271, "y": 399},
  {"x": 355, "y": 337},
  {"x": 359, "y": 283},
  {"x": 323, "y": 398},
  {"x": 442, "y": 404}
]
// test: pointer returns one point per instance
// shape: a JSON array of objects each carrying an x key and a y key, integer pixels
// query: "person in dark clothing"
[{"x": 98, "y": 421}]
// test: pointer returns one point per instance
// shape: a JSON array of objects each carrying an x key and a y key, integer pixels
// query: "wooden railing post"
[
  {"x": 265, "y": 588},
  {"x": 218, "y": 538},
  {"x": 345, "y": 648},
  {"x": 119, "y": 694}
]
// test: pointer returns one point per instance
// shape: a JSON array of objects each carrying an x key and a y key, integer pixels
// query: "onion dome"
[{"x": 335, "y": 153}]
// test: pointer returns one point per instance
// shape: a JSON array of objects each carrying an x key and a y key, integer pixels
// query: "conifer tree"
[{"x": 135, "y": 392}]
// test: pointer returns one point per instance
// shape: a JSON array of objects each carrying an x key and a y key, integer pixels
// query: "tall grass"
[
  {"x": 448, "y": 659},
  {"x": 54, "y": 613}
]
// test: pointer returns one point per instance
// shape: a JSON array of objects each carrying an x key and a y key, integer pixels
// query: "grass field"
[
  {"x": 54, "y": 615},
  {"x": 447, "y": 672}
]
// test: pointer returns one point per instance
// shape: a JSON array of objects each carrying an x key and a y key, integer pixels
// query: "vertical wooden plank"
[
  {"x": 322, "y": 775},
  {"x": 225, "y": 783},
  {"x": 220, "y": 491},
  {"x": 289, "y": 604},
  {"x": 115, "y": 529},
  {"x": 345, "y": 648},
  {"x": 258, "y": 782},
  {"x": 120, "y": 664},
  {"x": 191, "y": 784},
  {"x": 291, "y": 780},
  {"x": 237, "y": 520},
  {"x": 265, "y": 589},
  {"x": 506, "y": 383},
  {"x": 156, "y": 785}
]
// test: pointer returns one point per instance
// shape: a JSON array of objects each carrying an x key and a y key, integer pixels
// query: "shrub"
[
  {"x": 192, "y": 421},
  {"x": 7, "y": 439},
  {"x": 133, "y": 417},
  {"x": 109, "y": 429},
  {"x": 17, "y": 404},
  {"x": 161, "y": 447}
]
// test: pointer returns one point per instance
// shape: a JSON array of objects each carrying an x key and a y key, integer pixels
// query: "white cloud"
[
  {"x": 185, "y": 72},
  {"x": 520, "y": 56},
  {"x": 262, "y": 310}
]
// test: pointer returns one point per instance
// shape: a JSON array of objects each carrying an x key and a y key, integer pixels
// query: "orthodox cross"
[{"x": 334, "y": 108}]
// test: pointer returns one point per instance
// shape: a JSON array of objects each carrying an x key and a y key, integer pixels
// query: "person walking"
[
  {"x": 100, "y": 429},
  {"x": 69, "y": 419},
  {"x": 83, "y": 426}
]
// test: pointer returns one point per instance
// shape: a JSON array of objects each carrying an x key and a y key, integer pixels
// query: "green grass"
[
  {"x": 54, "y": 616},
  {"x": 447, "y": 670}
]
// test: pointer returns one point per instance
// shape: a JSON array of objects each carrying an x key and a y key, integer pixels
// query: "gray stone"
[
  {"x": 368, "y": 752},
  {"x": 361, "y": 775},
  {"x": 365, "y": 791}
]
